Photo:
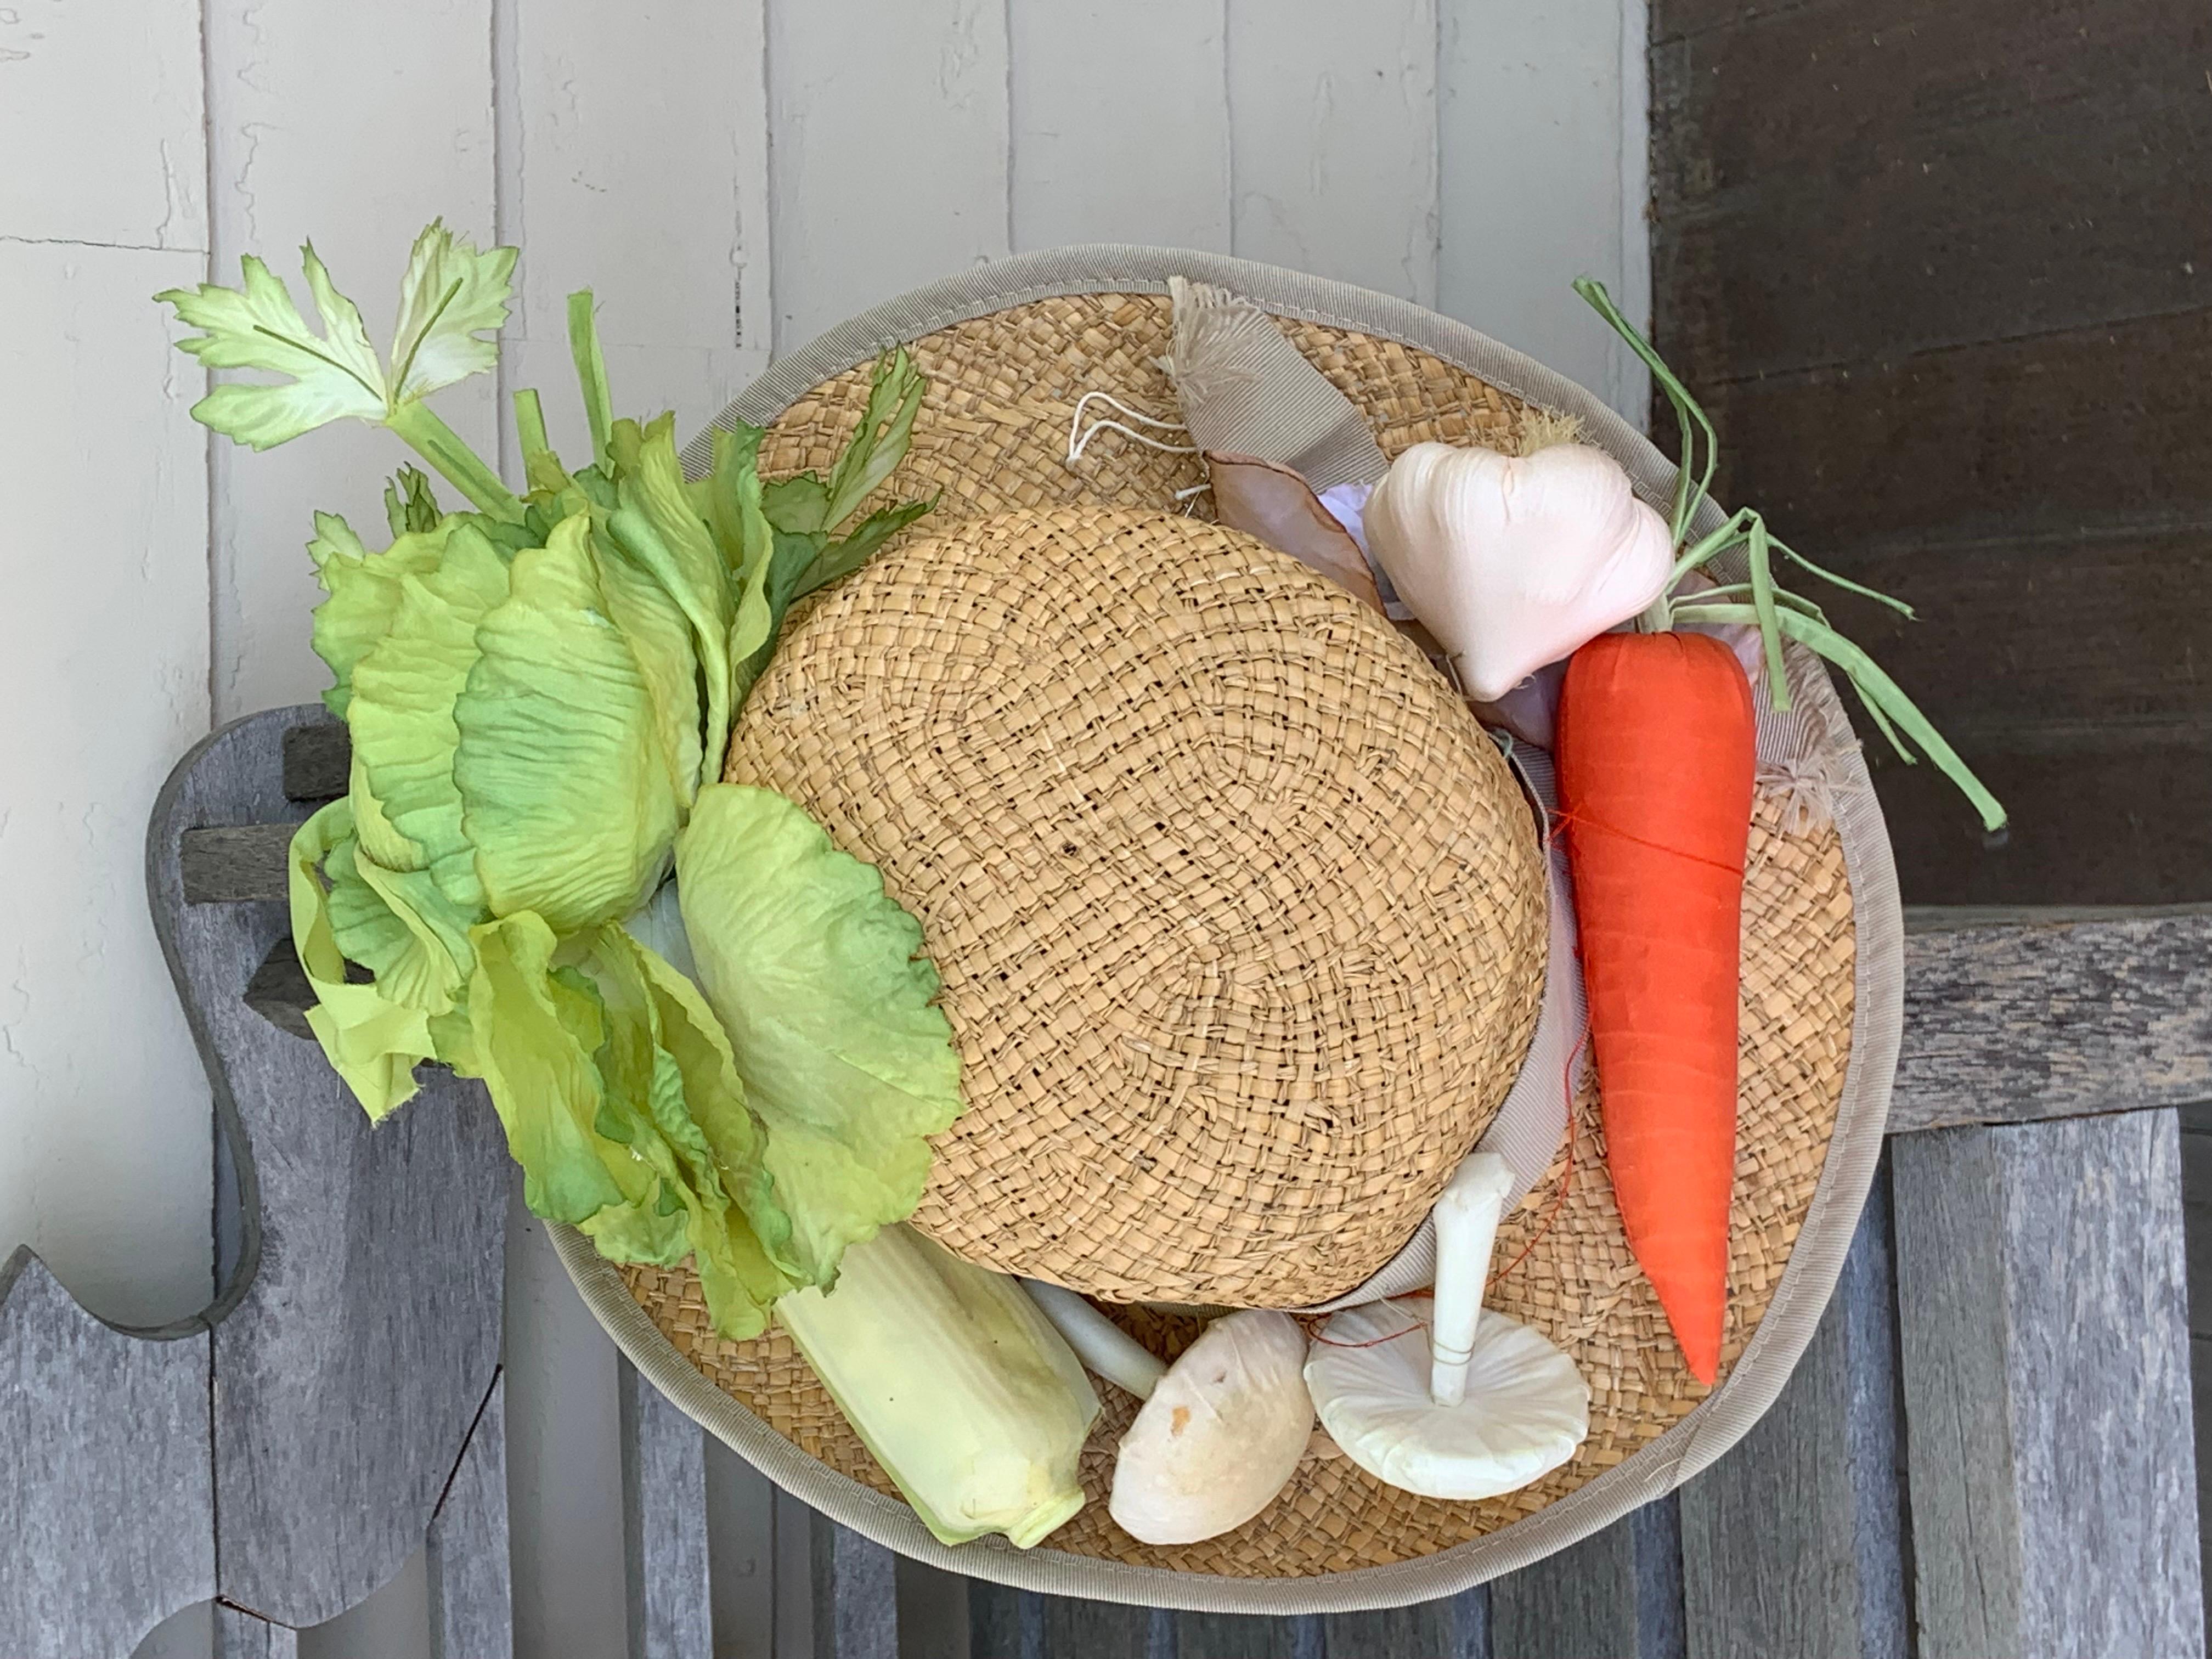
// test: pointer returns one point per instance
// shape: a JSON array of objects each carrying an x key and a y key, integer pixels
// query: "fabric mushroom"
[
  {"x": 1490, "y": 1407},
  {"x": 1221, "y": 1430},
  {"x": 1514, "y": 561}
]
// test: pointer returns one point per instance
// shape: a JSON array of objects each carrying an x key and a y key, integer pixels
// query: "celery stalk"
[{"x": 973, "y": 1404}]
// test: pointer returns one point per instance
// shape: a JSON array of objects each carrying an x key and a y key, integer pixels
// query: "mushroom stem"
[
  {"x": 1098, "y": 1342},
  {"x": 1466, "y": 1225}
]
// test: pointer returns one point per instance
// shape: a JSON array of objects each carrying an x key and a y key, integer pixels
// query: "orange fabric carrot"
[{"x": 1656, "y": 757}]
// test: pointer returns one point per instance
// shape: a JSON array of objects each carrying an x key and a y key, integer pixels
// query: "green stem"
[
  {"x": 530, "y": 425},
  {"x": 1844, "y": 582},
  {"x": 1687, "y": 414},
  {"x": 459, "y": 466},
  {"x": 1879, "y": 689},
  {"x": 1770, "y": 616},
  {"x": 592, "y": 374}
]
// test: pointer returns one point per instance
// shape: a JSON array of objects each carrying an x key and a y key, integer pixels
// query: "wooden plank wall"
[{"x": 1944, "y": 275}]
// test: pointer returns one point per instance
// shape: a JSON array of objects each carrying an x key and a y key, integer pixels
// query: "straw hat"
[{"x": 878, "y": 717}]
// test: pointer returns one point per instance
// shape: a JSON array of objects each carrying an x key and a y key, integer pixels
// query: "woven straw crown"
[{"x": 1240, "y": 916}]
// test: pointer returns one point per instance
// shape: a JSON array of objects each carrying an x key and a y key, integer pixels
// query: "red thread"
[
  {"x": 1574, "y": 820},
  {"x": 1327, "y": 1341}
]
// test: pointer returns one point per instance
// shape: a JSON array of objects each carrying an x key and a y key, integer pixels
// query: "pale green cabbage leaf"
[{"x": 815, "y": 973}]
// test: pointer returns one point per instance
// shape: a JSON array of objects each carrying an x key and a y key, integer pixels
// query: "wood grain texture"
[
  {"x": 890, "y": 164},
  {"x": 103, "y": 1153},
  {"x": 357, "y": 128},
  {"x": 932, "y": 1611},
  {"x": 1770, "y": 1560},
  {"x": 1866, "y": 1300},
  {"x": 1426, "y": 1630},
  {"x": 1069, "y": 1629},
  {"x": 1938, "y": 176},
  {"x": 1118, "y": 128},
  {"x": 664, "y": 1495},
  {"x": 1564, "y": 82},
  {"x": 633, "y": 161},
  {"x": 136, "y": 177},
  {"x": 741, "y": 1554},
  {"x": 279, "y": 991},
  {"x": 1581, "y": 1601},
  {"x": 855, "y": 1595},
  {"x": 2009, "y": 1023},
  {"x": 1333, "y": 130},
  {"x": 362, "y": 1333},
  {"x": 1983, "y": 447},
  {"x": 103, "y": 1460},
  {"x": 318, "y": 761},
  {"x": 2098, "y": 1373},
  {"x": 2044, "y": 1361},
  {"x": 996, "y": 1621},
  {"x": 471, "y": 1583},
  {"x": 235, "y": 864},
  {"x": 2128, "y": 823},
  {"x": 242, "y": 1635},
  {"x": 1236, "y": 1636}
]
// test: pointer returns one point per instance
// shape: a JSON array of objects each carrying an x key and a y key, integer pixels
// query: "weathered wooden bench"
[{"x": 1986, "y": 1450}]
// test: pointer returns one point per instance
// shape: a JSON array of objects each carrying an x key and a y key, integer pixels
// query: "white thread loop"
[{"x": 1079, "y": 436}]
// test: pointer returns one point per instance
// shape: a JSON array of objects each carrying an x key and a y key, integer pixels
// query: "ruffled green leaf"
[
  {"x": 363, "y": 594},
  {"x": 403, "y": 928},
  {"x": 666, "y": 648},
  {"x": 814, "y": 973},
  {"x": 564, "y": 794},
  {"x": 401, "y": 714},
  {"x": 372, "y": 1040},
  {"x": 674, "y": 1098},
  {"x": 536, "y": 1031}
]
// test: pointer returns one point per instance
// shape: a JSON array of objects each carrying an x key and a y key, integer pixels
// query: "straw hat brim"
[{"x": 1008, "y": 348}]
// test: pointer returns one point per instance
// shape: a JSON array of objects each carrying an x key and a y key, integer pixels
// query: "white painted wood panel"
[
  {"x": 633, "y": 161},
  {"x": 1541, "y": 119},
  {"x": 1120, "y": 126},
  {"x": 355, "y": 125},
  {"x": 1333, "y": 119},
  {"x": 104, "y": 1144},
  {"x": 888, "y": 163},
  {"x": 134, "y": 176}
]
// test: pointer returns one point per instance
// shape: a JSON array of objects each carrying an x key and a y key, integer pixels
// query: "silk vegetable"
[{"x": 1656, "y": 758}]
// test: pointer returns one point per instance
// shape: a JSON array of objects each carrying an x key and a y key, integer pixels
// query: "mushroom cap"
[
  {"x": 1527, "y": 1408},
  {"x": 1222, "y": 1434}
]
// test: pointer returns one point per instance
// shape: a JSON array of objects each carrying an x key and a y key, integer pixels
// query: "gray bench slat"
[
  {"x": 2018, "y": 1018},
  {"x": 855, "y": 1595},
  {"x": 664, "y": 1463},
  {"x": 1238, "y": 1636},
  {"x": 1004, "y": 1623},
  {"x": 1619, "y": 1591},
  {"x": 1426, "y": 1630},
  {"x": 2045, "y": 1342},
  {"x": 362, "y": 1336},
  {"x": 469, "y": 1572},
  {"x": 317, "y": 760},
  {"x": 242, "y": 1635},
  {"x": 1791, "y": 1543},
  {"x": 237, "y": 863},
  {"x": 103, "y": 1459}
]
